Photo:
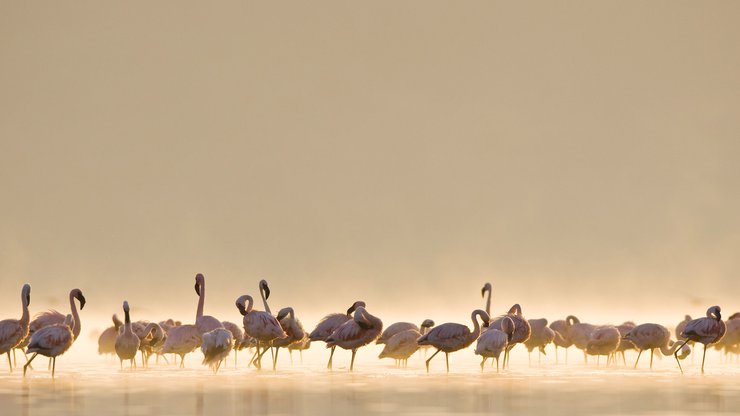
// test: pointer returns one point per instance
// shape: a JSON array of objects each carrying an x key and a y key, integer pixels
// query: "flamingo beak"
[
  {"x": 281, "y": 315},
  {"x": 267, "y": 292},
  {"x": 82, "y": 301},
  {"x": 483, "y": 292},
  {"x": 241, "y": 308},
  {"x": 28, "y": 300}
]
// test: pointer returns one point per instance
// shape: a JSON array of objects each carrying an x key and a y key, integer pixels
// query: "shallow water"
[{"x": 98, "y": 386}]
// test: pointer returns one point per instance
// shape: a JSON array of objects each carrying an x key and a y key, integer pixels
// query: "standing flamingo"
[
  {"x": 107, "y": 338},
  {"x": 492, "y": 342},
  {"x": 707, "y": 330},
  {"x": 217, "y": 345},
  {"x": 624, "y": 343},
  {"x": 363, "y": 329},
  {"x": 259, "y": 325},
  {"x": 300, "y": 346},
  {"x": 451, "y": 337},
  {"x": 652, "y": 336},
  {"x": 603, "y": 340},
  {"x": 53, "y": 317},
  {"x": 151, "y": 337},
  {"x": 14, "y": 331},
  {"x": 522, "y": 330},
  {"x": 51, "y": 341},
  {"x": 579, "y": 333},
  {"x": 292, "y": 328},
  {"x": 487, "y": 289},
  {"x": 204, "y": 323},
  {"x": 329, "y": 324},
  {"x": 401, "y": 346},
  {"x": 540, "y": 336},
  {"x": 182, "y": 340},
  {"x": 127, "y": 343}
]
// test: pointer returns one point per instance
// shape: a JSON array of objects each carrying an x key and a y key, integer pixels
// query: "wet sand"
[{"x": 98, "y": 387}]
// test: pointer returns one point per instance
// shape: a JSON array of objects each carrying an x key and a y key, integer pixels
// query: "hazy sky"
[{"x": 581, "y": 156}]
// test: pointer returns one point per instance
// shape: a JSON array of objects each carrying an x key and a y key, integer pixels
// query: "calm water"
[{"x": 98, "y": 387}]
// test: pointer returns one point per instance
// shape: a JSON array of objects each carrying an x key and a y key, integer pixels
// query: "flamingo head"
[
  {"x": 265, "y": 288},
  {"x": 714, "y": 312},
  {"x": 200, "y": 280},
  {"x": 77, "y": 294},
  {"x": 572, "y": 320},
  {"x": 284, "y": 312},
  {"x": 486, "y": 288},
  {"x": 125, "y": 306},
  {"x": 735, "y": 315},
  {"x": 354, "y": 307},
  {"x": 428, "y": 323},
  {"x": 516, "y": 309},
  {"x": 240, "y": 304},
  {"x": 26, "y": 293}
]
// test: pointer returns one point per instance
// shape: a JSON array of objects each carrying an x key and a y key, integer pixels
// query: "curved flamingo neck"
[
  {"x": 670, "y": 351},
  {"x": 476, "y": 327},
  {"x": 250, "y": 304},
  {"x": 264, "y": 300},
  {"x": 76, "y": 326}
]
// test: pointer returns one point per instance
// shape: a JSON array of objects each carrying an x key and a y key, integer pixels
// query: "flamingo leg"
[
  {"x": 675, "y": 354},
  {"x": 702, "y": 358},
  {"x": 182, "y": 361},
  {"x": 15, "y": 362},
  {"x": 25, "y": 367},
  {"x": 274, "y": 362},
  {"x": 49, "y": 366},
  {"x": 352, "y": 363},
  {"x": 331, "y": 355},
  {"x": 447, "y": 360},
  {"x": 638, "y": 358},
  {"x": 291, "y": 356},
  {"x": 10, "y": 363},
  {"x": 53, "y": 366},
  {"x": 251, "y": 360},
  {"x": 651, "y": 357},
  {"x": 483, "y": 363},
  {"x": 430, "y": 359},
  {"x": 496, "y": 365},
  {"x": 624, "y": 360}
]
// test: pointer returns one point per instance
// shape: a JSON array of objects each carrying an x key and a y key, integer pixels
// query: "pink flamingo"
[
  {"x": 293, "y": 329},
  {"x": 329, "y": 324},
  {"x": 182, "y": 340},
  {"x": 216, "y": 346},
  {"x": 651, "y": 337},
  {"x": 522, "y": 330},
  {"x": 127, "y": 343},
  {"x": 562, "y": 339},
  {"x": 204, "y": 323},
  {"x": 540, "y": 336},
  {"x": 487, "y": 289},
  {"x": 450, "y": 337},
  {"x": 707, "y": 330},
  {"x": 401, "y": 346},
  {"x": 398, "y": 327},
  {"x": 603, "y": 340},
  {"x": 259, "y": 325},
  {"x": 51, "y": 341},
  {"x": 107, "y": 338},
  {"x": 492, "y": 342},
  {"x": 14, "y": 331},
  {"x": 363, "y": 329}
]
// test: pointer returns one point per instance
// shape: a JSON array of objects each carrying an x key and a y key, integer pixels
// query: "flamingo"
[
  {"x": 328, "y": 324},
  {"x": 707, "y": 330},
  {"x": 603, "y": 340},
  {"x": 487, "y": 289},
  {"x": 151, "y": 337},
  {"x": 51, "y": 341},
  {"x": 182, "y": 340},
  {"x": 259, "y": 325},
  {"x": 53, "y": 317},
  {"x": 204, "y": 323},
  {"x": 217, "y": 345},
  {"x": 398, "y": 327},
  {"x": 238, "y": 335},
  {"x": 681, "y": 326},
  {"x": 450, "y": 337},
  {"x": 652, "y": 336},
  {"x": 14, "y": 331},
  {"x": 363, "y": 329},
  {"x": 540, "y": 336},
  {"x": 492, "y": 342},
  {"x": 127, "y": 343},
  {"x": 293, "y": 329},
  {"x": 562, "y": 339},
  {"x": 579, "y": 333},
  {"x": 107, "y": 338},
  {"x": 401, "y": 346},
  {"x": 522, "y": 330}
]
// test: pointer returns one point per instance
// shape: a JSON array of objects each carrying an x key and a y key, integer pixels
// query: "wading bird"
[
  {"x": 450, "y": 337},
  {"x": 398, "y": 327},
  {"x": 579, "y": 333},
  {"x": 539, "y": 338},
  {"x": 361, "y": 330},
  {"x": 603, "y": 340},
  {"x": 651, "y": 337},
  {"x": 51, "y": 341},
  {"x": 107, "y": 338},
  {"x": 401, "y": 346},
  {"x": 293, "y": 329},
  {"x": 14, "y": 331},
  {"x": 182, "y": 340},
  {"x": 204, "y": 323},
  {"x": 127, "y": 343},
  {"x": 329, "y": 324},
  {"x": 237, "y": 335},
  {"x": 492, "y": 342},
  {"x": 522, "y": 330},
  {"x": 707, "y": 330},
  {"x": 487, "y": 289},
  {"x": 216, "y": 346},
  {"x": 562, "y": 337},
  {"x": 259, "y": 325}
]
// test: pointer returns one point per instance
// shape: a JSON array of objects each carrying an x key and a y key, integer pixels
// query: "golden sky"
[{"x": 581, "y": 156}]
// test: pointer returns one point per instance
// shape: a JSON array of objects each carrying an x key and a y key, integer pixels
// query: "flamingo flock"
[{"x": 52, "y": 333}]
